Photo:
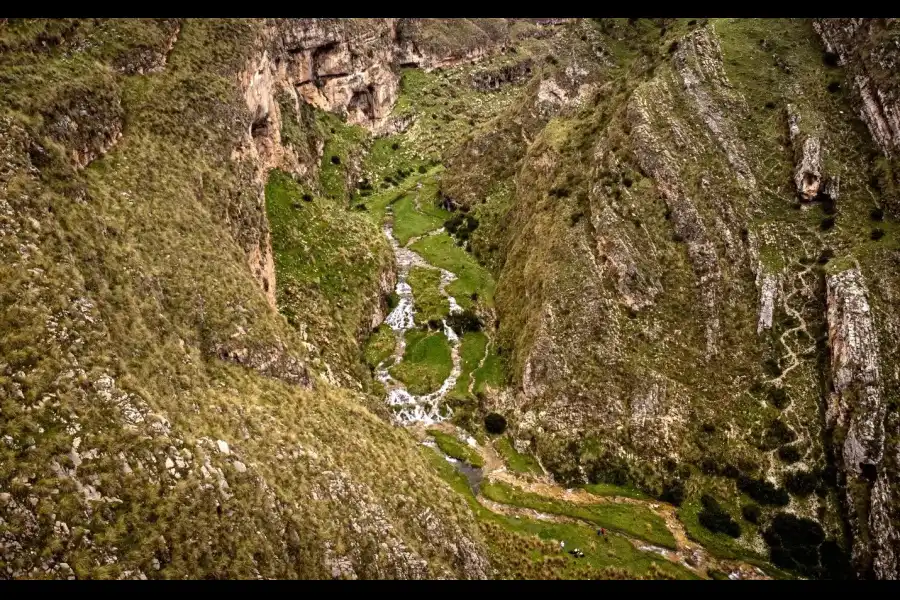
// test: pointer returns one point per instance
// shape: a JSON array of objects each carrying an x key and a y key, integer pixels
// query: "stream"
[{"x": 409, "y": 408}]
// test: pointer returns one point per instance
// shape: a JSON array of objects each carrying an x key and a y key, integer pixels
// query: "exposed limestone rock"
[
  {"x": 439, "y": 43},
  {"x": 808, "y": 173},
  {"x": 856, "y": 403},
  {"x": 793, "y": 120},
  {"x": 657, "y": 416},
  {"x": 863, "y": 46},
  {"x": 341, "y": 65},
  {"x": 856, "y": 410},
  {"x": 273, "y": 361},
  {"x": 699, "y": 63},
  {"x": 656, "y": 159},
  {"x": 87, "y": 122},
  {"x": 767, "y": 295},
  {"x": 485, "y": 80}
]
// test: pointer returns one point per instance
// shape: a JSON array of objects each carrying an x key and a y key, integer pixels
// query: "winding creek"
[
  {"x": 419, "y": 412},
  {"x": 409, "y": 408}
]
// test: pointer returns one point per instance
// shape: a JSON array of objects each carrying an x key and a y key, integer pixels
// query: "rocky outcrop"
[
  {"x": 808, "y": 177},
  {"x": 768, "y": 293},
  {"x": 867, "y": 49},
  {"x": 492, "y": 79},
  {"x": 340, "y": 65},
  {"x": 855, "y": 413},
  {"x": 808, "y": 173},
  {"x": 439, "y": 43},
  {"x": 151, "y": 55}
]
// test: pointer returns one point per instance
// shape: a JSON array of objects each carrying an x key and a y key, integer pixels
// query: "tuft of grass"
[
  {"x": 471, "y": 351},
  {"x": 380, "y": 345}
]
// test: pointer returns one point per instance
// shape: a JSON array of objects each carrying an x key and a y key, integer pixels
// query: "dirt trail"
[{"x": 688, "y": 554}]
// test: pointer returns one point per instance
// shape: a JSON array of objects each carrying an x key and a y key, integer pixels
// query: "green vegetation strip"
[
  {"x": 415, "y": 214},
  {"x": 523, "y": 548},
  {"x": 518, "y": 462},
  {"x": 471, "y": 351},
  {"x": 608, "y": 489},
  {"x": 636, "y": 521},
  {"x": 492, "y": 373},
  {"x": 442, "y": 251},
  {"x": 380, "y": 345},
  {"x": 451, "y": 446},
  {"x": 430, "y": 304}
]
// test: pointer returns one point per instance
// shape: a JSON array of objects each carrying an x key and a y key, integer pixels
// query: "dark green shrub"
[
  {"x": 709, "y": 466},
  {"x": 799, "y": 545},
  {"x": 335, "y": 160},
  {"x": 771, "y": 367},
  {"x": 877, "y": 233},
  {"x": 714, "y": 518},
  {"x": 835, "y": 562},
  {"x": 876, "y": 214},
  {"x": 673, "y": 492},
  {"x": 730, "y": 471},
  {"x": 751, "y": 513},
  {"x": 464, "y": 321},
  {"x": 777, "y": 434},
  {"x": 778, "y": 397},
  {"x": 802, "y": 483},
  {"x": 827, "y": 223},
  {"x": 391, "y": 300},
  {"x": 762, "y": 491},
  {"x": 495, "y": 423},
  {"x": 423, "y": 169},
  {"x": 789, "y": 454}
]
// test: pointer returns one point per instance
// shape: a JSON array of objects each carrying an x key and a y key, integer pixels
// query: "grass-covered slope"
[{"x": 128, "y": 446}]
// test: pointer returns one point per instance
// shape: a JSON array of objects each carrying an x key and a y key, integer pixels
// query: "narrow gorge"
[{"x": 449, "y": 298}]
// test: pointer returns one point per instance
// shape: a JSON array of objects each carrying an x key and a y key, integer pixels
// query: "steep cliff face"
[
  {"x": 157, "y": 418},
  {"x": 667, "y": 313},
  {"x": 869, "y": 51},
  {"x": 855, "y": 413}
]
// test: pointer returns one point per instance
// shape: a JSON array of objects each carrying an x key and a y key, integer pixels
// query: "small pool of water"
[{"x": 473, "y": 475}]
